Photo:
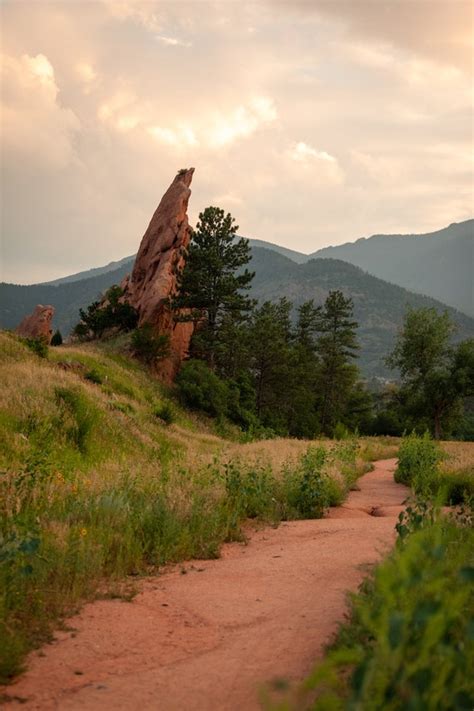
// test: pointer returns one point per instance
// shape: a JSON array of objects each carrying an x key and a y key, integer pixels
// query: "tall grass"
[
  {"x": 408, "y": 643},
  {"x": 103, "y": 476},
  {"x": 425, "y": 466}
]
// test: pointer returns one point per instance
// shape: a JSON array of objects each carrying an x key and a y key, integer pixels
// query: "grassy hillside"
[
  {"x": 104, "y": 475},
  {"x": 439, "y": 264}
]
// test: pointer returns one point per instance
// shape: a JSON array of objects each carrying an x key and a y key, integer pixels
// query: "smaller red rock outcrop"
[
  {"x": 154, "y": 278},
  {"x": 37, "y": 324}
]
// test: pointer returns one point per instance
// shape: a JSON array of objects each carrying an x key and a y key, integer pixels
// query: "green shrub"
[
  {"x": 77, "y": 416},
  {"x": 341, "y": 431},
  {"x": 109, "y": 313},
  {"x": 149, "y": 346},
  {"x": 39, "y": 346},
  {"x": 313, "y": 494},
  {"x": 57, "y": 338},
  {"x": 94, "y": 376},
  {"x": 457, "y": 487},
  {"x": 201, "y": 389},
  {"x": 418, "y": 461},
  {"x": 165, "y": 412},
  {"x": 409, "y": 642}
]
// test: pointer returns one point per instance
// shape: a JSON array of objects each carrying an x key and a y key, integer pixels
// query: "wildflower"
[{"x": 83, "y": 532}]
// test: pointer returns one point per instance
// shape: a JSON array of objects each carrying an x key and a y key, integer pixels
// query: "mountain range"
[{"x": 372, "y": 271}]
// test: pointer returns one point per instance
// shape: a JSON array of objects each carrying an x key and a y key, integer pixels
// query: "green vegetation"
[
  {"x": 99, "y": 480},
  {"x": 102, "y": 316},
  {"x": 57, "y": 338},
  {"x": 436, "y": 377},
  {"x": 420, "y": 467},
  {"x": 147, "y": 346},
  {"x": 408, "y": 642},
  {"x": 210, "y": 284},
  {"x": 38, "y": 346}
]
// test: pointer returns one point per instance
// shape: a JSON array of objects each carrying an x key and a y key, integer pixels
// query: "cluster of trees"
[
  {"x": 437, "y": 379},
  {"x": 292, "y": 371},
  {"x": 106, "y": 314},
  {"x": 258, "y": 365}
]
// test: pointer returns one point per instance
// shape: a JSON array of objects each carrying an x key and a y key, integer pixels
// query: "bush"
[
  {"x": 149, "y": 346},
  {"x": 39, "y": 346},
  {"x": 57, "y": 338},
  {"x": 109, "y": 313},
  {"x": 457, "y": 487},
  {"x": 201, "y": 389},
  {"x": 313, "y": 494},
  {"x": 77, "y": 416},
  {"x": 409, "y": 642},
  {"x": 93, "y": 376},
  {"x": 418, "y": 461},
  {"x": 165, "y": 412}
]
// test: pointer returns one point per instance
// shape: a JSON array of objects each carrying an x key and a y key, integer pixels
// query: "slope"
[
  {"x": 439, "y": 264},
  {"x": 378, "y": 305}
]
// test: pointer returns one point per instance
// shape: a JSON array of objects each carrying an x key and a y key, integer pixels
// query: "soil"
[{"x": 208, "y": 635}]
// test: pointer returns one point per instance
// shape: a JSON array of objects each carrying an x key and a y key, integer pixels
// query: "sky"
[{"x": 313, "y": 123}]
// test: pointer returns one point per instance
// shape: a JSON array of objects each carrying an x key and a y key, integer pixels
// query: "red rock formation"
[
  {"x": 37, "y": 324},
  {"x": 155, "y": 271}
]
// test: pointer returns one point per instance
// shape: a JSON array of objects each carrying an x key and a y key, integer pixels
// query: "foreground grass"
[
  {"x": 103, "y": 475},
  {"x": 408, "y": 642}
]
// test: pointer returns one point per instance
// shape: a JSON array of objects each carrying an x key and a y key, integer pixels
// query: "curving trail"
[{"x": 207, "y": 640}]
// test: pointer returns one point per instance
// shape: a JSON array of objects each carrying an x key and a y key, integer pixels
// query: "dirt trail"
[{"x": 207, "y": 640}]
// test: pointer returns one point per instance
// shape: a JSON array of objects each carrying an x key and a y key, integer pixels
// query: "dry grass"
[{"x": 460, "y": 457}]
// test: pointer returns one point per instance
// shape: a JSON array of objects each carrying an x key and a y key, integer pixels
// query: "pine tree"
[
  {"x": 213, "y": 279},
  {"x": 271, "y": 361},
  {"x": 57, "y": 338},
  {"x": 336, "y": 347}
]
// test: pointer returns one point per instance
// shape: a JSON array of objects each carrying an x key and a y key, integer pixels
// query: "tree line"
[{"x": 273, "y": 368}]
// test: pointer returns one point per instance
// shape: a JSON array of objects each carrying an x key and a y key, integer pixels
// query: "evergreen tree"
[
  {"x": 271, "y": 361},
  {"x": 213, "y": 279},
  {"x": 57, "y": 338},
  {"x": 103, "y": 315},
  {"x": 303, "y": 421},
  {"x": 336, "y": 347}
]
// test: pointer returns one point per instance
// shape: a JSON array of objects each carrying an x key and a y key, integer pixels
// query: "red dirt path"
[{"x": 208, "y": 640}]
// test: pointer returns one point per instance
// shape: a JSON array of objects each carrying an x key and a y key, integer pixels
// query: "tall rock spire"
[{"x": 154, "y": 277}]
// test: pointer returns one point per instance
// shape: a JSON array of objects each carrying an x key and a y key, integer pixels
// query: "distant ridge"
[
  {"x": 379, "y": 305},
  {"x": 96, "y": 271},
  {"x": 439, "y": 264}
]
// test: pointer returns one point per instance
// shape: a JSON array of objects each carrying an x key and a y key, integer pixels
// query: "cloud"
[
  {"x": 173, "y": 41},
  {"x": 302, "y": 152},
  {"x": 326, "y": 122},
  {"x": 35, "y": 125},
  {"x": 439, "y": 30},
  {"x": 182, "y": 136},
  {"x": 242, "y": 121}
]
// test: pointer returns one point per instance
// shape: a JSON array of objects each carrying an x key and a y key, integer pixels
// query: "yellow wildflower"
[{"x": 83, "y": 532}]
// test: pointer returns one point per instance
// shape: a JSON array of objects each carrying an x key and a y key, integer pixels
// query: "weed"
[{"x": 165, "y": 412}]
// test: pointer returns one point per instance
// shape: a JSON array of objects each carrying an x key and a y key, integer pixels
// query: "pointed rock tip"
[{"x": 185, "y": 175}]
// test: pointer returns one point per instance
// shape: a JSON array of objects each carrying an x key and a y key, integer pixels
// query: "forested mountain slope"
[{"x": 379, "y": 305}]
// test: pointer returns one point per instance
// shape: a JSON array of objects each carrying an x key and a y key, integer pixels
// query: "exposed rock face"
[
  {"x": 155, "y": 272},
  {"x": 37, "y": 324}
]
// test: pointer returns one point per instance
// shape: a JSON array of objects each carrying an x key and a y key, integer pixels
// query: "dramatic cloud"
[{"x": 312, "y": 122}]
